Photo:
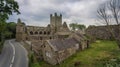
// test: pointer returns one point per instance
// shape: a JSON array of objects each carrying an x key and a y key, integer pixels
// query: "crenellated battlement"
[
  {"x": 55, "y": 15},
  {"x": 55, "y": 21}
]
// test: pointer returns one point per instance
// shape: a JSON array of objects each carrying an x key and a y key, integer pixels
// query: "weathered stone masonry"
[
  {"x": 102, "y": 32},
  {"x": 53, "y": 43},
  {"x": 52, "y": 31}
]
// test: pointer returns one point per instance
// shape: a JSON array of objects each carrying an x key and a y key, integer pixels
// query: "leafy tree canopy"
[
  {"x": 8, "y": 7},
  {"x": 75, "y": 26}
]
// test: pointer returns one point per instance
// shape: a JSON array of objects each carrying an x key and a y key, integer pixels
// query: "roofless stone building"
[
  {"x": 54, "y": 30},
  {"x": 53, "y": 43}
]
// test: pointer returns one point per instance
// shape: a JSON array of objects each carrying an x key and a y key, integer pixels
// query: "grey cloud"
[{"x": 37, "y": 12}]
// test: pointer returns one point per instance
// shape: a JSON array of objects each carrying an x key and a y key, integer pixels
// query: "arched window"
[
  {"x": 40, "y": 38},
  {"x": 31, "y": 33},
  {"x": 44, "y": 32},
  {"x": 40, "y": 32},
  {"x": 36, "y": 32},
  {"x": 50, "y": 37},
  {"x": 48, "y": 32}
]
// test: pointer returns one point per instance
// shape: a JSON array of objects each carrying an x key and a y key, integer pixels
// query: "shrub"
[{"x": 1, "y": 46}]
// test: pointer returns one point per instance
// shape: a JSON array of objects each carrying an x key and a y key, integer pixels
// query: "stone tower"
[
  {"x": 20, "y": 30},
  {"x": 55, "y": 22}
]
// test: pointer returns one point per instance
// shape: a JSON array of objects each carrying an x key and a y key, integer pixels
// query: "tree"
[
  {"x": 105, "y": 17},
  {"x": 114, "y": 7},
  {"x": 11, "y": 27},
  {"x": 75, "y": 26},
  {"x": 2, "y": 30},
  {"x": 81, "y": 27},
  {"x": 8, "y": 34},
  {"x": 7, "y": 8},
  {"x": 110, "y": 12}
]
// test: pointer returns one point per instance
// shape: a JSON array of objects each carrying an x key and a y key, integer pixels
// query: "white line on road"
[{"x": 11, "y": 64}]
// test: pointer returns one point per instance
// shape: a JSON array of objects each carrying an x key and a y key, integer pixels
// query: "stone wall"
[
  {"x": 36, "y": 33},
  {"x": 102, "y": 32},
  {"x": 58, "y": 46},
  {"x": 49, "y": 54},
  {"x": 56, "y": 57},
  {"x": 55, "y": 22}
]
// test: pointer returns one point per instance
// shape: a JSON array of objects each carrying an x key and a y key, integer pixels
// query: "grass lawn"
[{"x": 92, "y": 57}]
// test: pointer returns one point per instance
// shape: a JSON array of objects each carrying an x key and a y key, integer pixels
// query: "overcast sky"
[{"x": 37, "y": 12}]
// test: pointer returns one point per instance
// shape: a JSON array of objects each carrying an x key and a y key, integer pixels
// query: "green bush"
[
  {"x": 30, "y": 60},
  {"x": 90, "y": 38},
  {"x": 1, "y": 45}
]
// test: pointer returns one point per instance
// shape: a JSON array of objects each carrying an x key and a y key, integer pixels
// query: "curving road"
[{"x": 13, "y": 55}]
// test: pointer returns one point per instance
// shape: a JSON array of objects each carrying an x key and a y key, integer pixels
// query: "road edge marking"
[{"x": 13, "y": 58}]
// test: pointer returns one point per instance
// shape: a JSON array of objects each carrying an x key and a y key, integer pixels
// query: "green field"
[{"x": 96, "y": 56}]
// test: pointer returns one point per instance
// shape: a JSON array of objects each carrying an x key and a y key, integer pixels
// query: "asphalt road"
[{"x": 13, "y": 55}]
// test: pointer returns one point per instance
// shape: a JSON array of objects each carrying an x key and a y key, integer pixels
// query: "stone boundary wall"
[{"x": 102, "y": 32}]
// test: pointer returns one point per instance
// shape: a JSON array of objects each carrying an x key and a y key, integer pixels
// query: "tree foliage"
[
  {"x": 75, "y": 26},
  {"x": 11, "y": 30},
  {"x": 81, "y": 26},
  {"x": 7, "y": 8}
]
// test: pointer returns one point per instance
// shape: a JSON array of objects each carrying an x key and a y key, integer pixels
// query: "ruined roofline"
[
  {"x": 20, "y": 22},
  {"x": 102, "y": 25},
  {"x": 36, "y": 26}
]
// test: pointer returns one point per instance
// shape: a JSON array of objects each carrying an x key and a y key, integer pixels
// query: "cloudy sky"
[{"x": 37, "y": 12}]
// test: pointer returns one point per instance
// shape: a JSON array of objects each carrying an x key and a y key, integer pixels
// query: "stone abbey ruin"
[
  {"x": 56, "y": 42},
  {"x": 53, "y": 43}
]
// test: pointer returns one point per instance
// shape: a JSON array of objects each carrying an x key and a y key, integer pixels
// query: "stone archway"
[
  {"x": 31, "y": 33},
  {"x": 44, "y": 32}
]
